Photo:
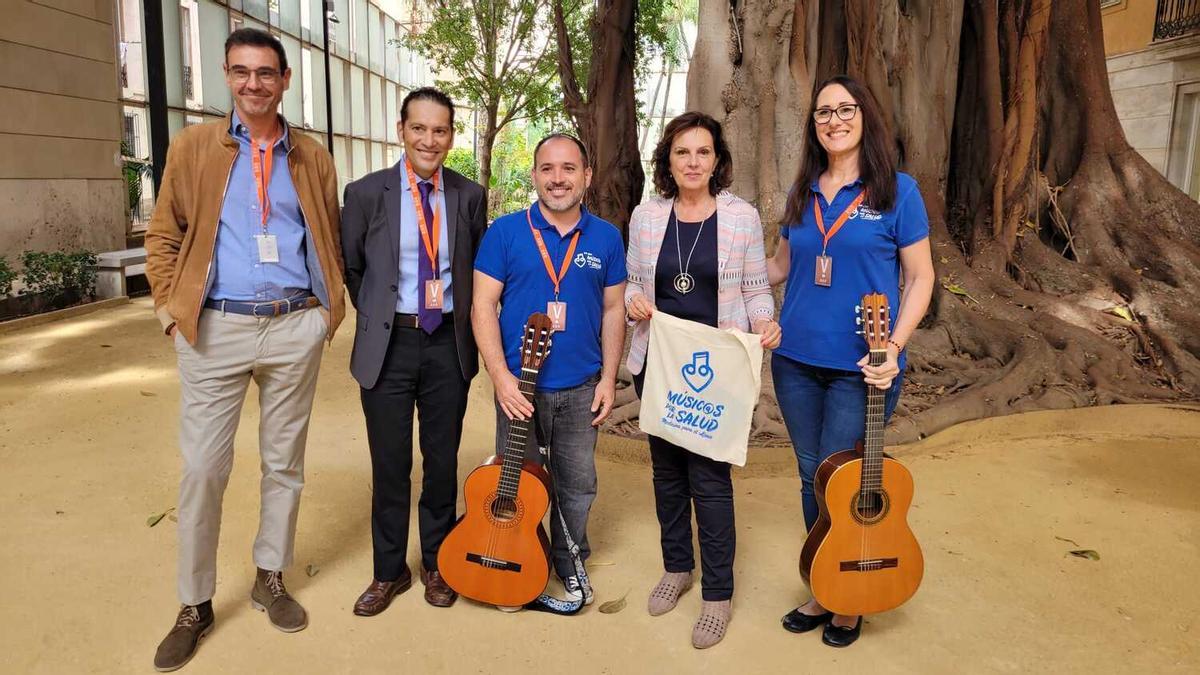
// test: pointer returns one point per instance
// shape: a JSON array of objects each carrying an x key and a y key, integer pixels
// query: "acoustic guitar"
[
  {"x": 498, "y": 552},
  {"x": 861, "y": 557}
]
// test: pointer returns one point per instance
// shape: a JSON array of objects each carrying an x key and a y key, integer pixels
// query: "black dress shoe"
[
  {"x": 799, "y": 622},
  {"x": 841, "y": 636}
]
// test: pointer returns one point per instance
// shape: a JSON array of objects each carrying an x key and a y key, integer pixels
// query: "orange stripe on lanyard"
[
  {"x": 431, "y": 244},
  {"x": 837, "y": 224},
  {"x": 566, "y": 263},
  {"x": 262, "y": 174}
]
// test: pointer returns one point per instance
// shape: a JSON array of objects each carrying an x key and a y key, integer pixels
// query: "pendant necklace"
[{"x": 684, "y": 283}]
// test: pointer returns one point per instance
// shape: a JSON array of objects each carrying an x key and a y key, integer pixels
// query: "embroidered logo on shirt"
[
  {"x": 586, "y": 259},
  {"x": 866, "y": 213}
]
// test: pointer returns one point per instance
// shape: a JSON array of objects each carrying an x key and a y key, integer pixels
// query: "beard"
[{"x": 566, "y": 202}]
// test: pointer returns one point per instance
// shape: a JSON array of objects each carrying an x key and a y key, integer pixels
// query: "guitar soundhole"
[
  {"x": 871, "y": 506},
  {"x": 505, "y": 510}
]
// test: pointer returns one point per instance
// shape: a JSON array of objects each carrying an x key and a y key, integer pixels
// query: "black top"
[{"x": 700, "y": 303}]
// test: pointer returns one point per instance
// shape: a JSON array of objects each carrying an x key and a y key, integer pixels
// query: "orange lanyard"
[
  {"x": 566, "y": 263},
  {"x": 262, "y": 175},
  {"x": 431, "y": 243},
  {"x": 837, "y": 224}
]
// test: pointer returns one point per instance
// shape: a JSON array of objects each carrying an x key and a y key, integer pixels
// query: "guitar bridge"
[
  {"x": 868, "y": 565},
  {"x": 493, "y": 563}
]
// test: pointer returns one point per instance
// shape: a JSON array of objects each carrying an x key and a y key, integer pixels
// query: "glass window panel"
[
  {"x": 306, "y": 86},
  {"x": 376, "y": 156},
  {"x": 293, "y": 98},
  {"x": 256, "y": 8},
  {"x": 360, "y": 166},
  {"x": 214, "y": 28},
  {"x": 358, "y": 103},
  {"x": 289, "y": 15},
  {"x": 173, "y": 61},
  {"x": 375, "y": 30},
  {"x": 377, "y": 108},
  {"x": 391, "y": 64},
  {"x": 361, "y": 43},
  {"x": 318, "y": 91},
  {"x": 341, "y": 104},
  {"x": 341, "y": 31},
  {"x": 391, "y": 114}
]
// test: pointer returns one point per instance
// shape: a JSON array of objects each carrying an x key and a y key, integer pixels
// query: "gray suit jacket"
[{"x": 371, "y": 249}]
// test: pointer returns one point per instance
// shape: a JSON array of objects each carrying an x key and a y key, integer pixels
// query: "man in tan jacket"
[{"x": 244, "y": 261}]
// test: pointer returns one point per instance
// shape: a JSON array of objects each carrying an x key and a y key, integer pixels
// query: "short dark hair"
[
  {"x": 253, "y": 37},
  {"x": 565, "y": 136},
  {"x": 876, "y": 157},
  {"x": 722, "y": 175},
  {"x": 427, "y": 94}
]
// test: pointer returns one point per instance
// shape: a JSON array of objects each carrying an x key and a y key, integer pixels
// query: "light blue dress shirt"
[
  {"x": 237, "y": 273},
  {"x": 410, "y": 242}
]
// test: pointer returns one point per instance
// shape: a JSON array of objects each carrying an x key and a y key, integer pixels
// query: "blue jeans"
[
  {"x": 564, "y": 422},
  {"x": 825, "y": 411}
]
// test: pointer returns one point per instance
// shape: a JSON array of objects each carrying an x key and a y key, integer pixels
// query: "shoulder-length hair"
[
  {"x": 722, "y": 175},
  {"x": 876, "y": 157}
]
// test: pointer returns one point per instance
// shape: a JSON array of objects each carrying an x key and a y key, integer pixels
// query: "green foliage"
[
  {"x": 7, "y": 276},
  {"x": 463, "y": 161},
  {"x": 134, "y": 170},
  {"x": 494, "y": 53},
  {"x": 512, "y": 181},
  {"x": 59, "y": 272}
]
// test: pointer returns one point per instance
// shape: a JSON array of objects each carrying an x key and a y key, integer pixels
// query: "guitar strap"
[{"x": 546, "y": 602}]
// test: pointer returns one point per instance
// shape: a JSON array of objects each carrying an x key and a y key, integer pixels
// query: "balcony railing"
[
  {"x": 1174, "y": 18},
  {"x": 187, "y": 82}
]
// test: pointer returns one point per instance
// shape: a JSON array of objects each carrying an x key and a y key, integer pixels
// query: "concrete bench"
[{"x": 113, "y": 267}]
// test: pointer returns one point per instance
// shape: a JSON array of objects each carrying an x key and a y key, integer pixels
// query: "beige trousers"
[{"x": 282, "y": 355}]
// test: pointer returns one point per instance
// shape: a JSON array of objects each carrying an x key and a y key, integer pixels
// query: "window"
[
  {"x": 1183, "y": 161},
  {"x": 130, "y": 138},
  {"x": 185, "y": 49}
]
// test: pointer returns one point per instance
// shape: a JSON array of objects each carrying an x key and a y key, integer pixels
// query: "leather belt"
[
  {"x": 413, "y": 321},
  {"x": 262, "y": 309}
]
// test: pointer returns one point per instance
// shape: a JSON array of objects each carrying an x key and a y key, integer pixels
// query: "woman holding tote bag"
[{"x": 695, "y": 252}]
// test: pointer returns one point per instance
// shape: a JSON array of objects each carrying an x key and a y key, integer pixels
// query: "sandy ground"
[{"x": 88, "y": 420}]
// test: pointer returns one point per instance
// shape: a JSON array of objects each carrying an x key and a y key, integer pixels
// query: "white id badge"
[
  {"x": 558, "y": 315},
  {"x": 268, "y": 248}
]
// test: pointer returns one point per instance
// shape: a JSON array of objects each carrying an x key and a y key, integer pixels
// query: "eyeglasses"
[
  {"x": 845, "y": 113},
  {"x": 267, "y": 76}
]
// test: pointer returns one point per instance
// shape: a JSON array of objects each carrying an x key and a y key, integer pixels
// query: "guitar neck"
[
  {"x": 516, "y": 439},
  {"x": 872, "y": 466}
]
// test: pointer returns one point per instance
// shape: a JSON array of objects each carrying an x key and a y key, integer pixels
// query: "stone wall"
[
  {"x": 60, "y": 128},
  {"x": 1144, "y": 85}
]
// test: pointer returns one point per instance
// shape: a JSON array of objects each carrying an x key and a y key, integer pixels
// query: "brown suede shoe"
[
  {"x": 379, "y": 594},
  {"x": 271, "y": 597},
  {"x": 192, "y": 624},
  {"x": 437, "y": 592}
]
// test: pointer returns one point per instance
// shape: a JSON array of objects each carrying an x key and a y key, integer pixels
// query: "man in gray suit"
[{"x": 409, "y": 238}]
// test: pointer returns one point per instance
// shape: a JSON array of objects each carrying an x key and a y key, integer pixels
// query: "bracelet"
[
  {"x": 167, "y": 330},
  {"x": 899, "y": 347}
]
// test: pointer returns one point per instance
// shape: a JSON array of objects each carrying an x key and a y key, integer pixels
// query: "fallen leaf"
[
  {"x": 312, "y": 570},
  {"x": 614, "y": 606},
  {"x": 1069, "y": 541},
  {"x": 157, "y": 517},
  {"x": 1121, "y": 311},
  {"x": 958, "y": 290},
  {"x": 147, "y": 393},
  {"x": 1086, "y": 553},
  {"x": 606, "y": 563},
  {"x": 172, "y": 518}
]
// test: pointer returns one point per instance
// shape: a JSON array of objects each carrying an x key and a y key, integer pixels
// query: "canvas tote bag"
[{"x": 701, "y": 387}]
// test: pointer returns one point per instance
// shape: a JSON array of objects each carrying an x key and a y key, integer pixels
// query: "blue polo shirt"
[
  {"x": 818, "y": 322},
  {"x": 509, "y": 254}
]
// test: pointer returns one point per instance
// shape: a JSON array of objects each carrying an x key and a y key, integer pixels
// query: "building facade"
[
  {"x": 1153, "y": 53},
  {"x": 60, "y": 129},
  {"x": 370, "y": 72}
]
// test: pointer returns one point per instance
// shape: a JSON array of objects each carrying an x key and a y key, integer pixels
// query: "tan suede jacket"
[{"x": 183, "y": 229}]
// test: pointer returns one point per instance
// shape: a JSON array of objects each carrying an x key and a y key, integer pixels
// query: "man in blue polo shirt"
[{"x": 520, "y": 265}]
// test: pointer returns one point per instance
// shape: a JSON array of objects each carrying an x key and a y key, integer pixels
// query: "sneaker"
[
  {"x": 574, "y": 592},
  {"x": 192, "y": 624}
]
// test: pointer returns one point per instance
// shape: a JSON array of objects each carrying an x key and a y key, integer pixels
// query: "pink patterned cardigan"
[{"x": 743, "y": 295}]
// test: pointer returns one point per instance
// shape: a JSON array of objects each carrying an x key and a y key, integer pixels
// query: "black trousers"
[
  {"x": 420, "y": 370},
  {"x": 684, "y": 480}
]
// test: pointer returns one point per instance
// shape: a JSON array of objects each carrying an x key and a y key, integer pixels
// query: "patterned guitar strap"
[{"x": 546, "y": 602}]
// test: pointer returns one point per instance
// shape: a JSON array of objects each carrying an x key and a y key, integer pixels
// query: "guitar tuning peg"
[
  {"x": 858, "y": 308},
  {"x": 858, "y": 320},
  {"x": 858, "y": 332}
]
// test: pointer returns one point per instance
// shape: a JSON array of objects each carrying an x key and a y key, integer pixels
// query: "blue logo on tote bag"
[{"x": 698, "y": 374}]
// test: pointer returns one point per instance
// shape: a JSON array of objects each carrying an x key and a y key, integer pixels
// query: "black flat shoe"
[
  {"x": 799, "y": 622},
  {"x": 841, "y": 636}
]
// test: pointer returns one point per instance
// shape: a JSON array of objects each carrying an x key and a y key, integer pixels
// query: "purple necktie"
[{"x": 428, "y": 318}]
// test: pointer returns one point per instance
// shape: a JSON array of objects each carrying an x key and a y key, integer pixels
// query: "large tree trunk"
[
  {"x": 606, "y": 117},
  {"x": 1067, "y": 265}
]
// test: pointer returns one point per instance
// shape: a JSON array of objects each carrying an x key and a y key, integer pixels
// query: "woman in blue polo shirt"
[{"x": 853, "y": 225}]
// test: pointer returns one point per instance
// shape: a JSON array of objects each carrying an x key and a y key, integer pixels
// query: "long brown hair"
[{"x": 876, "y": 157}]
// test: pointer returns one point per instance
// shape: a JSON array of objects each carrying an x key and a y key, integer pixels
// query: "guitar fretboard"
[
  {"x": 515, "y": 440},
  {"x": 872, "y": 466}
]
